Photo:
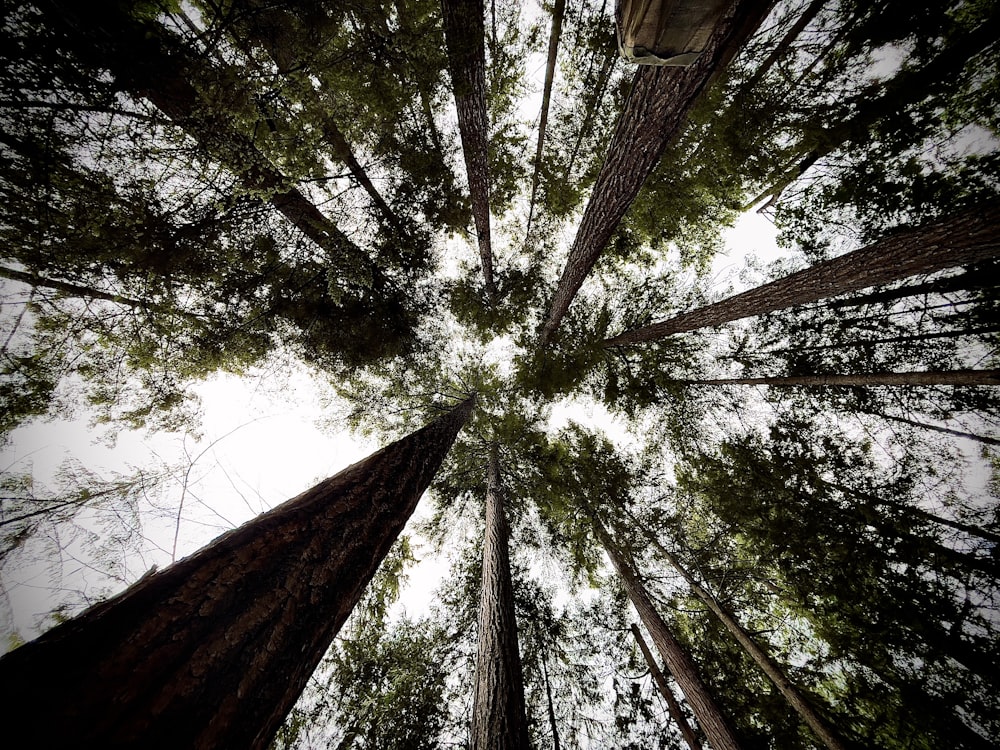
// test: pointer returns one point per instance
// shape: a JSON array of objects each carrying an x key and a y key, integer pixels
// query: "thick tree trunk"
[
  {"x": 774, "y": 672},
  {"x": 147, "y": 62},
  {"x": 465, "y": 38},
  {"x": 213, "y": 651},
  {"x": 713, "y": 722},
  {"x": 558, "y": 11},
  {"x": 948, "y": 377},
  {"x": 498, "y": 715},
  {"x": 661, "y": 683},
  {"x": 656, "y": 110},
  {"x": 969, "y": 237}
]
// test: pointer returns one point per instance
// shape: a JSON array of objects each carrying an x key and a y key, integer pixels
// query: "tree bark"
[
  {"x": 654, "y": 114},
  {"x": 147, "y": 62},
  {"x": 782, "y": 47},
  {"x": 713, "y": 722},
  {"x": 969, "y": 237},
  {"x": 551, "y": 708},
  {"x": 465, "y": 39},
  {"x": 774, "y": 672},
  {"x": 558, "y": 11},
  {"x": 213, "y": 651},
  {"x": 947, "y": 377},
  {"x": 661, "y": 683},
  {"x": 498, "y": 715}
]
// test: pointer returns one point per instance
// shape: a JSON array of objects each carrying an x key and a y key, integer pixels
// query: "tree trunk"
[
  {"x": 148, "y": 62},
  {"x": 881, "y": 100},
  {"x": 710, "y": 717},
  {"x": 343, "y": 151},
  {"x": 980, "y": 277},
  {"x": 946, "y": 430},
  {"x": 947, "y": 377},
  {"x": 889, "y": 340},
  {"x": 78, "y": 290},
  {"x": 661, "y": 683},
  {"x": 551, "y": 707},
  {"x": 969, "y": 237},
  {"x": 558, "y": 11},
  {"x": 498, "y": 715},
  {"x": 465, "y": 39},
  {"x": 654, "y": 114},
  {"x": 782, "y": 47},
  {"x": 595, "y": 99},
  {"x": 774, "y": 673},
  {"x": 213, "y": 651}
]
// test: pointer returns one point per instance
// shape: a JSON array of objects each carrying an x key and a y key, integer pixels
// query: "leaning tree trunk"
[
  {"x": 148, "y": 62},
  {"x": 774, "y": 672},
  {"x": 213, "y": 651},
  {"x": 498, "y": 715},
  {"x": 656, "y": 110},
  {"x": 713, "y": 722},
  {"x": 465, "y": 39},
  {"x": 661, "y": 683},
  {"x": 985, "y": 439},
  {"x": 558, "y": 11},
  {"x": 923, "y": 377},
  {"x": 969, "y": 237}
]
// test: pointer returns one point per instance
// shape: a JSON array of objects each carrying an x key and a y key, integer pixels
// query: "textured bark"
[
  {"x": 713, "y": 722},
  {"x": 213, "y": 651},
  {"x": 774, "y": 672},
  {"x": 947, "y": 377},
  {"x": 946, "y": 430},
  {"x": 969, "y": 237},
  {"x": 498, "y": 716},
  {"x": 148, "y": 62},
  {"x": 656, "y": 110},
  {"x": 661, "y": 683},
  {"x": 558, "y": 11},
  {"x": 465, "y": 39}
]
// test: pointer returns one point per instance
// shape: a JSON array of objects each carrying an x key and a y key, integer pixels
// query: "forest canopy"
[{"x": 462, "y": 221}]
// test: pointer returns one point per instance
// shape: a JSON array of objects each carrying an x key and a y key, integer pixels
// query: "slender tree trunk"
[
  {"x": 781, "y": 49},
  {"x": 947, "y": 377},
  {"x": 148, "y": 62},
  {"x": 655, "y": 113},
  {"x": 343, "y": 151},
  {"x": 661, "y": 683},
  {"x": 78, "y": 290},
  {"x": 558, "y": 11},
  {"x": 946, "y": 430},
  {"x": 969, "y": 237},
  {"x": 498, "y": 715},
  {"x": 551, "y": 707},
  {"x": 713, "y": 722},
  {"x": 978, "y": 278},
  {"x": 213, "y": 651},
  {"x": 881, "y": 100},
  {"x": 465, "y": 38},
  {"x": 774, "y": 672},
  {"x": 594, "y": 103},
  {"x": 890, "y": 340}
]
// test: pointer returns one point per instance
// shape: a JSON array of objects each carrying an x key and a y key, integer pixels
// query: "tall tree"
[
  {"x": 711, "y": 718},
  {"x": 498, "y": 716},
  {"x": 558, "y": 11},
  {"x": 661, "y": 683},
  {"x": 655, "y": 112},
  {"x": 966, "y": 238},
  {"x": 465, "y": 36},
  {"x": 952, "y": 377},
  {"x": 213, "y": 651}
]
